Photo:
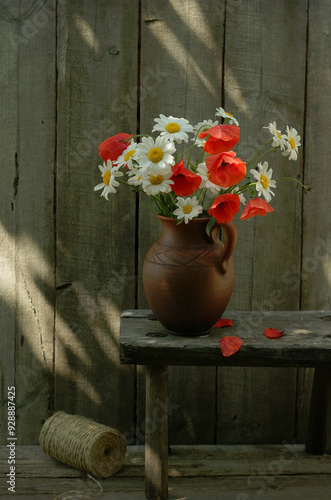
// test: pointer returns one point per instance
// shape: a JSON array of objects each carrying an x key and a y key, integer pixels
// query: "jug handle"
[{"x": 230, "y": 241}]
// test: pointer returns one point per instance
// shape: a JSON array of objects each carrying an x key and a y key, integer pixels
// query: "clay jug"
[{"x": 188, "y": 276}]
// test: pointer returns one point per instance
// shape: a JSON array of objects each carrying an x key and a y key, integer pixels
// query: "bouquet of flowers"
[{"x": 207, "y": 180}]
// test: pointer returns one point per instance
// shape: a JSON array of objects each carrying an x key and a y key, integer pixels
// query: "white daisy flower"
[
  {"x": 292, "y": 143},
  {"x": 154, "y": 184},
  {"x": 201, "y": 127},
  {"x": 227, "y": 116},
  {"x": 263, "y": 176},
  {"x": 135, "y": 177},
  {"x": 279, "y": 139},
  {"x": 204, "y": 173},
  {"x": 155, "y": 153},
  {"x": 188, "y": 208},
  {"x": 109, "y": 182},
  {"x": 172, "y": 128},
  {"x": 127, "y": 156}
]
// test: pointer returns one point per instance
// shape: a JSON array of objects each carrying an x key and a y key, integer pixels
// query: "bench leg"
[
  {"x": 156, "y": 439},
  {"x": 316, "y": 441}
]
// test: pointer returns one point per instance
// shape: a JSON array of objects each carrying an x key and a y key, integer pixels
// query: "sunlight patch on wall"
[
  {"x": 7, "y": 266},
  {"x": 233, "y": 91},
  {"x": 86, "y": 387},
  {"x": 26, "y": 281},
  {"x": 200, "y": 27},
  {"x": 327, "y": 268},
  {"x": 87, "y": 33},
  {"x": 171, "y": 43}
]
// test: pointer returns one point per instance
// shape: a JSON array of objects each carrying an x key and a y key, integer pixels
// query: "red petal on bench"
[
  {"x": 223, "y": 322},
  {"x": 272, "y": 333},
  {"x": 230, "y": 345}
]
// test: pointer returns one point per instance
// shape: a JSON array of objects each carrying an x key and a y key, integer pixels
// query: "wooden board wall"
[
  {"x": 74, "y": 73},
  {"x": 28, "y": 74},
  {"x": 95, "y": 268}
]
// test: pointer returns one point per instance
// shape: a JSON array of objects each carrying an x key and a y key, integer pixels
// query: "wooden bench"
[{"x": 305, "y": 343}]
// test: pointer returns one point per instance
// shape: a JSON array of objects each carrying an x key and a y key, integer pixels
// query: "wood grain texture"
[
  {"x": 97, "y": 58},
  {"x": 28, "y": 140},
  {"x": 8, "y": 145},
  {"x": 195, "y": 472},
  {"x": 69, "y": 78},
  {"x": 182, "y": 44},
  {"x": 259, "y": 84},
  {"x": 306, "y": 341},
  {"x": 156, "y": 441},
  {"x": 314, "y": 275}
]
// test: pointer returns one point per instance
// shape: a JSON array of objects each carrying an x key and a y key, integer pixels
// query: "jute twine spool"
[{"x": 83, "y": 444}]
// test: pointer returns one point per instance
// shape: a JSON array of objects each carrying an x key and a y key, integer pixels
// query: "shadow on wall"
[{"x": 61, "y": 307}]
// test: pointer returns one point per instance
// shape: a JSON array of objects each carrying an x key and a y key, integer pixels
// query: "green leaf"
[
  {"x": 210, "y": 224},
  {"x": 252, "y": 191}
]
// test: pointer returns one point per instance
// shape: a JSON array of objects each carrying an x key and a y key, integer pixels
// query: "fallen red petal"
[
  {"x": 230, "y": 345},
  {"x": 272, "y": 333},
  {"x": 223, "y": 322}
]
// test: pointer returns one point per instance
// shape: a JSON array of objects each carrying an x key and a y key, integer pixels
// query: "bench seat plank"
[{"x": 306, "y": 341}]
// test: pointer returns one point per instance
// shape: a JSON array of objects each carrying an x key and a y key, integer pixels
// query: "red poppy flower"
[
  {"x": 225, "y": 170},
  {"x": 185, "y": 181},
  {"x": 230, "y": 345},
  {"x": 113, "y": 147},
  {"x": 224, "y": 207},
  {"x": 272, "y": 333},
  {"x": 223, "y": 322},
  {"x": 221, "y": 138},
  {"x": 255, "y": 207}
]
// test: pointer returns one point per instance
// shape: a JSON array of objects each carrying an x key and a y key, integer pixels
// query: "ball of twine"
[{"x": 83, "y": 444}]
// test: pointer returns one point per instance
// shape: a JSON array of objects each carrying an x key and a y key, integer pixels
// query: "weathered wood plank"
[
  {"x": 261, "y": 426},
  {"x": 258, "y": 89},
  {"x": 97, "y": 58},
  {"x": 316, "y": 441},
  {"x": 306, "y": 341},
  {"x": 8, "y": 146},
  {"x": 274, "y": 472},
  {"x": 185, "y": 461},
  {"x": 28, "y": 74},
  {"x": 315, "y": 273},
  {"x": 156, "y": 441},
  {"x": 182, "y": 46},
  {"x": 293, "y": 487}
]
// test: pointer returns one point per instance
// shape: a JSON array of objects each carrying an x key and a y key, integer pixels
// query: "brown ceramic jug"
[{"x": 188, "y": 276}]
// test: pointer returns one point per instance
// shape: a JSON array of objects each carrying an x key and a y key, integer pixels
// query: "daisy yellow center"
[
  {"x": 278, "y": 134},
  {"x": 172, "y": 127},
  {"x": 229, "y": 114},
  {"x": 106, "y": 177},
  {"x": 128, "y": 155},
  {"x": 264, "y": 181},
  {"x": 187, "y": 209},
  {"x": 156, "y": 179},
  {"x": 292, "y": 143},
  {"x": 155, "y": 155}
]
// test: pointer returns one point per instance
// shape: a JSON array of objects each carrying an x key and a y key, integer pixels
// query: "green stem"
[
  {"x": 291, "y": 179},
  {"x": 257, "y": 152},
  {"x": 152, "y": 208},
  {"x": 202, "y": 192},
  {"x": 201, "y": 157},
  {"x": 157, "y": 201},
  {"x": 135, "y": 188},
  {"x": 260, "y": 157},
  {"x": 134, "y": 136},
  {"x": 245, "y": 187},
  {"x": 195, "y": 140}
]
